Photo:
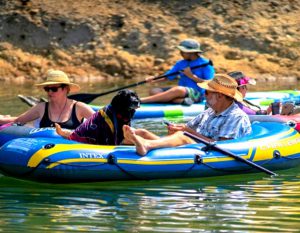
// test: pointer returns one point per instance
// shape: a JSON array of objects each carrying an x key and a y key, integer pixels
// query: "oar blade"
[
  {"x": 27, "y": 100},
  {"x": 83, "y": 97}
]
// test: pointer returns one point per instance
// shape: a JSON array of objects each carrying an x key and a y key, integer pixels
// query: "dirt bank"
[{"x": 95, "y": 39}]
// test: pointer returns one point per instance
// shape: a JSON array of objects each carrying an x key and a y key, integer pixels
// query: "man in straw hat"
[
  {"x": 187, "y": 92},
  {"x": 221, "y": 121},
  {"x": 59, "y": 109}
]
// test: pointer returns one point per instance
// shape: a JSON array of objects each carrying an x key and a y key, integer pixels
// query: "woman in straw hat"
[
  {"x": 59, "y": 109},
  {"x": 221, "y": 121}
]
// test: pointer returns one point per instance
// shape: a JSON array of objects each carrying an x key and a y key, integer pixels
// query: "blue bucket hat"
[{"x": 189, "y": 46}]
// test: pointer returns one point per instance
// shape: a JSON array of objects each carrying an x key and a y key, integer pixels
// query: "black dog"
[
  {"x": 125, "y": 103},
  {"x": 105, "y": 126}
]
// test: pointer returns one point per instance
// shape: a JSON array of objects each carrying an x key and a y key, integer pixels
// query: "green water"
[
  {"x": 240, "y": 203},
  {"x": 249, "y": 203}
]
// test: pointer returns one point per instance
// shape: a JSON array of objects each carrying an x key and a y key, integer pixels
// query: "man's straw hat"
[{"x": 224, "y": 84}]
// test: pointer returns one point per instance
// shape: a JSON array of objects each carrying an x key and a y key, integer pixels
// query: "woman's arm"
[
  {"x": 30, "y": 115},
  {"x": 84, "y": 111}
]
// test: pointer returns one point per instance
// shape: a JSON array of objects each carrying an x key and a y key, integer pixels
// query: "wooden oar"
[
  {"x": 87, "y": 98},
  {"x": 226, "y": 152}
]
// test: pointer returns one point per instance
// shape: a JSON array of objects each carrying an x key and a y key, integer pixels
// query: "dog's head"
[{"x": 125, "y": 102}]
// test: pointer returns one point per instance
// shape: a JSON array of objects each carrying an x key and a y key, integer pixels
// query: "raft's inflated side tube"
[
  {"x": 291, "y": 120},
  {"x": 272, "y": 145},
  {"x": 16, "y": 131},
  {"x": 164, "y": 110}
]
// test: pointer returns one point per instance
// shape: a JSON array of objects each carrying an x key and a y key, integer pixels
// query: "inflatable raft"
[{"x": 272, "y": 145}]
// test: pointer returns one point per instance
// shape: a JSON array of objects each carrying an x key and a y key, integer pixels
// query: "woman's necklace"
[{"x": 58, "y": 119}]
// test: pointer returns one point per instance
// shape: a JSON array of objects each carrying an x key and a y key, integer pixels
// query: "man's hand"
[
  {"x": 173, "y": 128},
  {"x": 187, "y": 71},
  {"x": 150, "y": 79}
]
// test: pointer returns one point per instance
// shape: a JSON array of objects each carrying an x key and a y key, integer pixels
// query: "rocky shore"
[{"x": 96, "y": 39}]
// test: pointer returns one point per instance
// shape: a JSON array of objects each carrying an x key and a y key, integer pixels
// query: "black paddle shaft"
[
  {"x": 226, "y": 152},
  {"x": 87, "y": 98}
]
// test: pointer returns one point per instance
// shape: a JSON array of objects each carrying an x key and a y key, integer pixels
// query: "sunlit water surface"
[{"x": 233, "y": 203}]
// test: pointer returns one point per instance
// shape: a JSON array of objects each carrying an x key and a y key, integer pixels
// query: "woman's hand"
[
  {"x": 4, "y": 116},
  {"x": 62, "y": 132},
  {"x": 6, "y": 119}
]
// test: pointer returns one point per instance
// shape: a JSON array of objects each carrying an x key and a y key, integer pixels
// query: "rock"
[
  {"x": 158, "y": 61},
  {"x": 233, "y": 55}
]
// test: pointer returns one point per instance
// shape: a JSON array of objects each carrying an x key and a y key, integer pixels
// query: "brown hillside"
[{"x": 134, "y": 38}]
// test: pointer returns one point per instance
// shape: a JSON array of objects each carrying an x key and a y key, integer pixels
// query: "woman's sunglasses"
[{"x": 53, "y": 89}]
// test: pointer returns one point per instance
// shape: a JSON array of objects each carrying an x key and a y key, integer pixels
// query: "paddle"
[
  {"x": 87, "y": 98},
  {"x": 27, "y": 100},
  {"x": 241, "y": 159}
]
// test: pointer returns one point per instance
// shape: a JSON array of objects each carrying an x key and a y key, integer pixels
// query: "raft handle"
[
  {"x": 292, "y": 124},
  {"x": 47, "y": 160},
  {"x": 276, "y": 154},
  {"x": 111, "y": 159},
  {"x": 49, "y": 146},
  {"x": 198, "y": 159}
]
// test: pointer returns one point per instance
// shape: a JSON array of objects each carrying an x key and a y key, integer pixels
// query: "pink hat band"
[{"x": 245, "y": 80}]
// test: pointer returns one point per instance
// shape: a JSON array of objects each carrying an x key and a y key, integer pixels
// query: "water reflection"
[{"x": 230, "y": 203}]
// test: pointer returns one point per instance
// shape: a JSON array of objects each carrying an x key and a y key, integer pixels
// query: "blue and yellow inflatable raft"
[{"x": 272, "y": 145}]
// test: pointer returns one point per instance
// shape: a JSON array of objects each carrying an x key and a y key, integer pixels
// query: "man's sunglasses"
[{"x": 53, "y": 89}]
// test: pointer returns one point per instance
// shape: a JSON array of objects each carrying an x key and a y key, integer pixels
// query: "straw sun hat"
[
  {"x": 54, "y": 77},
  {"x": 224, "y": 84}
]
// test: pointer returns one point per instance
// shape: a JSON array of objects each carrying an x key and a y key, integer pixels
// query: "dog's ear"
[
  {"x": 125, "y": 100},
  {"x": 119, "y": 99}
]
